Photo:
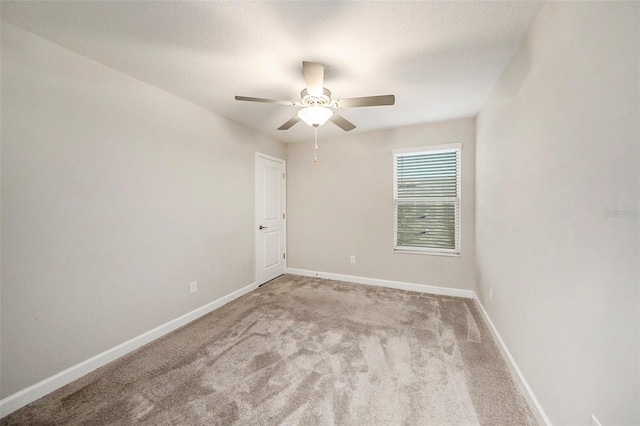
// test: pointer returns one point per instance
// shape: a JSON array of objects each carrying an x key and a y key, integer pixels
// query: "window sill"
[{"x": 429, "y": 253}]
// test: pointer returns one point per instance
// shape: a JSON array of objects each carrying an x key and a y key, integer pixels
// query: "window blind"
[{"x": 427, "y": 200}]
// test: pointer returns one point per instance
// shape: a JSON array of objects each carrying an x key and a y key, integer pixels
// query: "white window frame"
[{"x": 458, "y": 226}]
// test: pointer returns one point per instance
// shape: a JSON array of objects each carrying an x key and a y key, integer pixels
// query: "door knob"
[{"x": 262, "y": 227}]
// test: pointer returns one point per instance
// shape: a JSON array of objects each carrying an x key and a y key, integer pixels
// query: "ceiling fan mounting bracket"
[{"x": 309, "y": 100}]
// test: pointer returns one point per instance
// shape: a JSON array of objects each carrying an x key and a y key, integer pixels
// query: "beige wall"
[
  {"x": 557, "y": 147},
  {"x": 115, "y": 195},
  {"x": 343, "y": 206}
]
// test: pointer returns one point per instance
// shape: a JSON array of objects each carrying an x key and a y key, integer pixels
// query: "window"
[{"x": 427, "y": 199}]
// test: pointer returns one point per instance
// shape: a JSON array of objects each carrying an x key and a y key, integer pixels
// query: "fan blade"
[
  {"x": 267, "y": 101},
  {"x": 313, "y": 77},
  {"x": 342, "y": 122},
  {"x": 366, "y": 101},
  {"x": 290, "y": 123}
]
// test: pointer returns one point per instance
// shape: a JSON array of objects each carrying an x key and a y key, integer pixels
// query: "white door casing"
[{"x": 270, "y": 227}]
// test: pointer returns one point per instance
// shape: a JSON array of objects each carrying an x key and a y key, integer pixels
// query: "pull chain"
[{"x": 315, "y": 155}]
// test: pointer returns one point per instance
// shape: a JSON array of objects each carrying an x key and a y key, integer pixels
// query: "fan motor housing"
[{"x": 323, "y": 100}]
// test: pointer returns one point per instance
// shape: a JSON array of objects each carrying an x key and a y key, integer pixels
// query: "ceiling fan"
[{"x": 317, "y": 103}]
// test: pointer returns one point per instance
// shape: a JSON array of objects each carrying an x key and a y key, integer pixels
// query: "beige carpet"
[{"x": 304, "y": 351}]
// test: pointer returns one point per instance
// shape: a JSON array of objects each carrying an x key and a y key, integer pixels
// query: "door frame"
[{"x": 284, "y": 210}]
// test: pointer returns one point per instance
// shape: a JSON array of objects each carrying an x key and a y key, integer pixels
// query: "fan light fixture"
[
  {"x": 316, "y": 102},
  {"x": 315, "y": 116}
]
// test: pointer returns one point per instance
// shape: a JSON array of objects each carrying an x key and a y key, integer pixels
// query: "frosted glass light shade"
[{"x": 315, "y": 116}]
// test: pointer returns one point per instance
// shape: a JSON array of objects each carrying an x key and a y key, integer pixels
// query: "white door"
[{"x": 270, "y": 218}]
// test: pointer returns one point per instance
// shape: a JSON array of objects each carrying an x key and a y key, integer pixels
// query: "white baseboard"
[
  {"x": 530, "y": 395},
  {"x": 26, "y": 396},
  {"x": 421, "y": 288}
]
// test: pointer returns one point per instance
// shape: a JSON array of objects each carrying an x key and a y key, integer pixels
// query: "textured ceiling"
[{"x": 440, "y": 59}]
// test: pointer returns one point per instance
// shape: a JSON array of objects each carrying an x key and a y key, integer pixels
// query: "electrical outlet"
[
  {"x": 193, "y": 286},
  {"x": 353, "y": 259},
  {"x": 490, "y": 294}
]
